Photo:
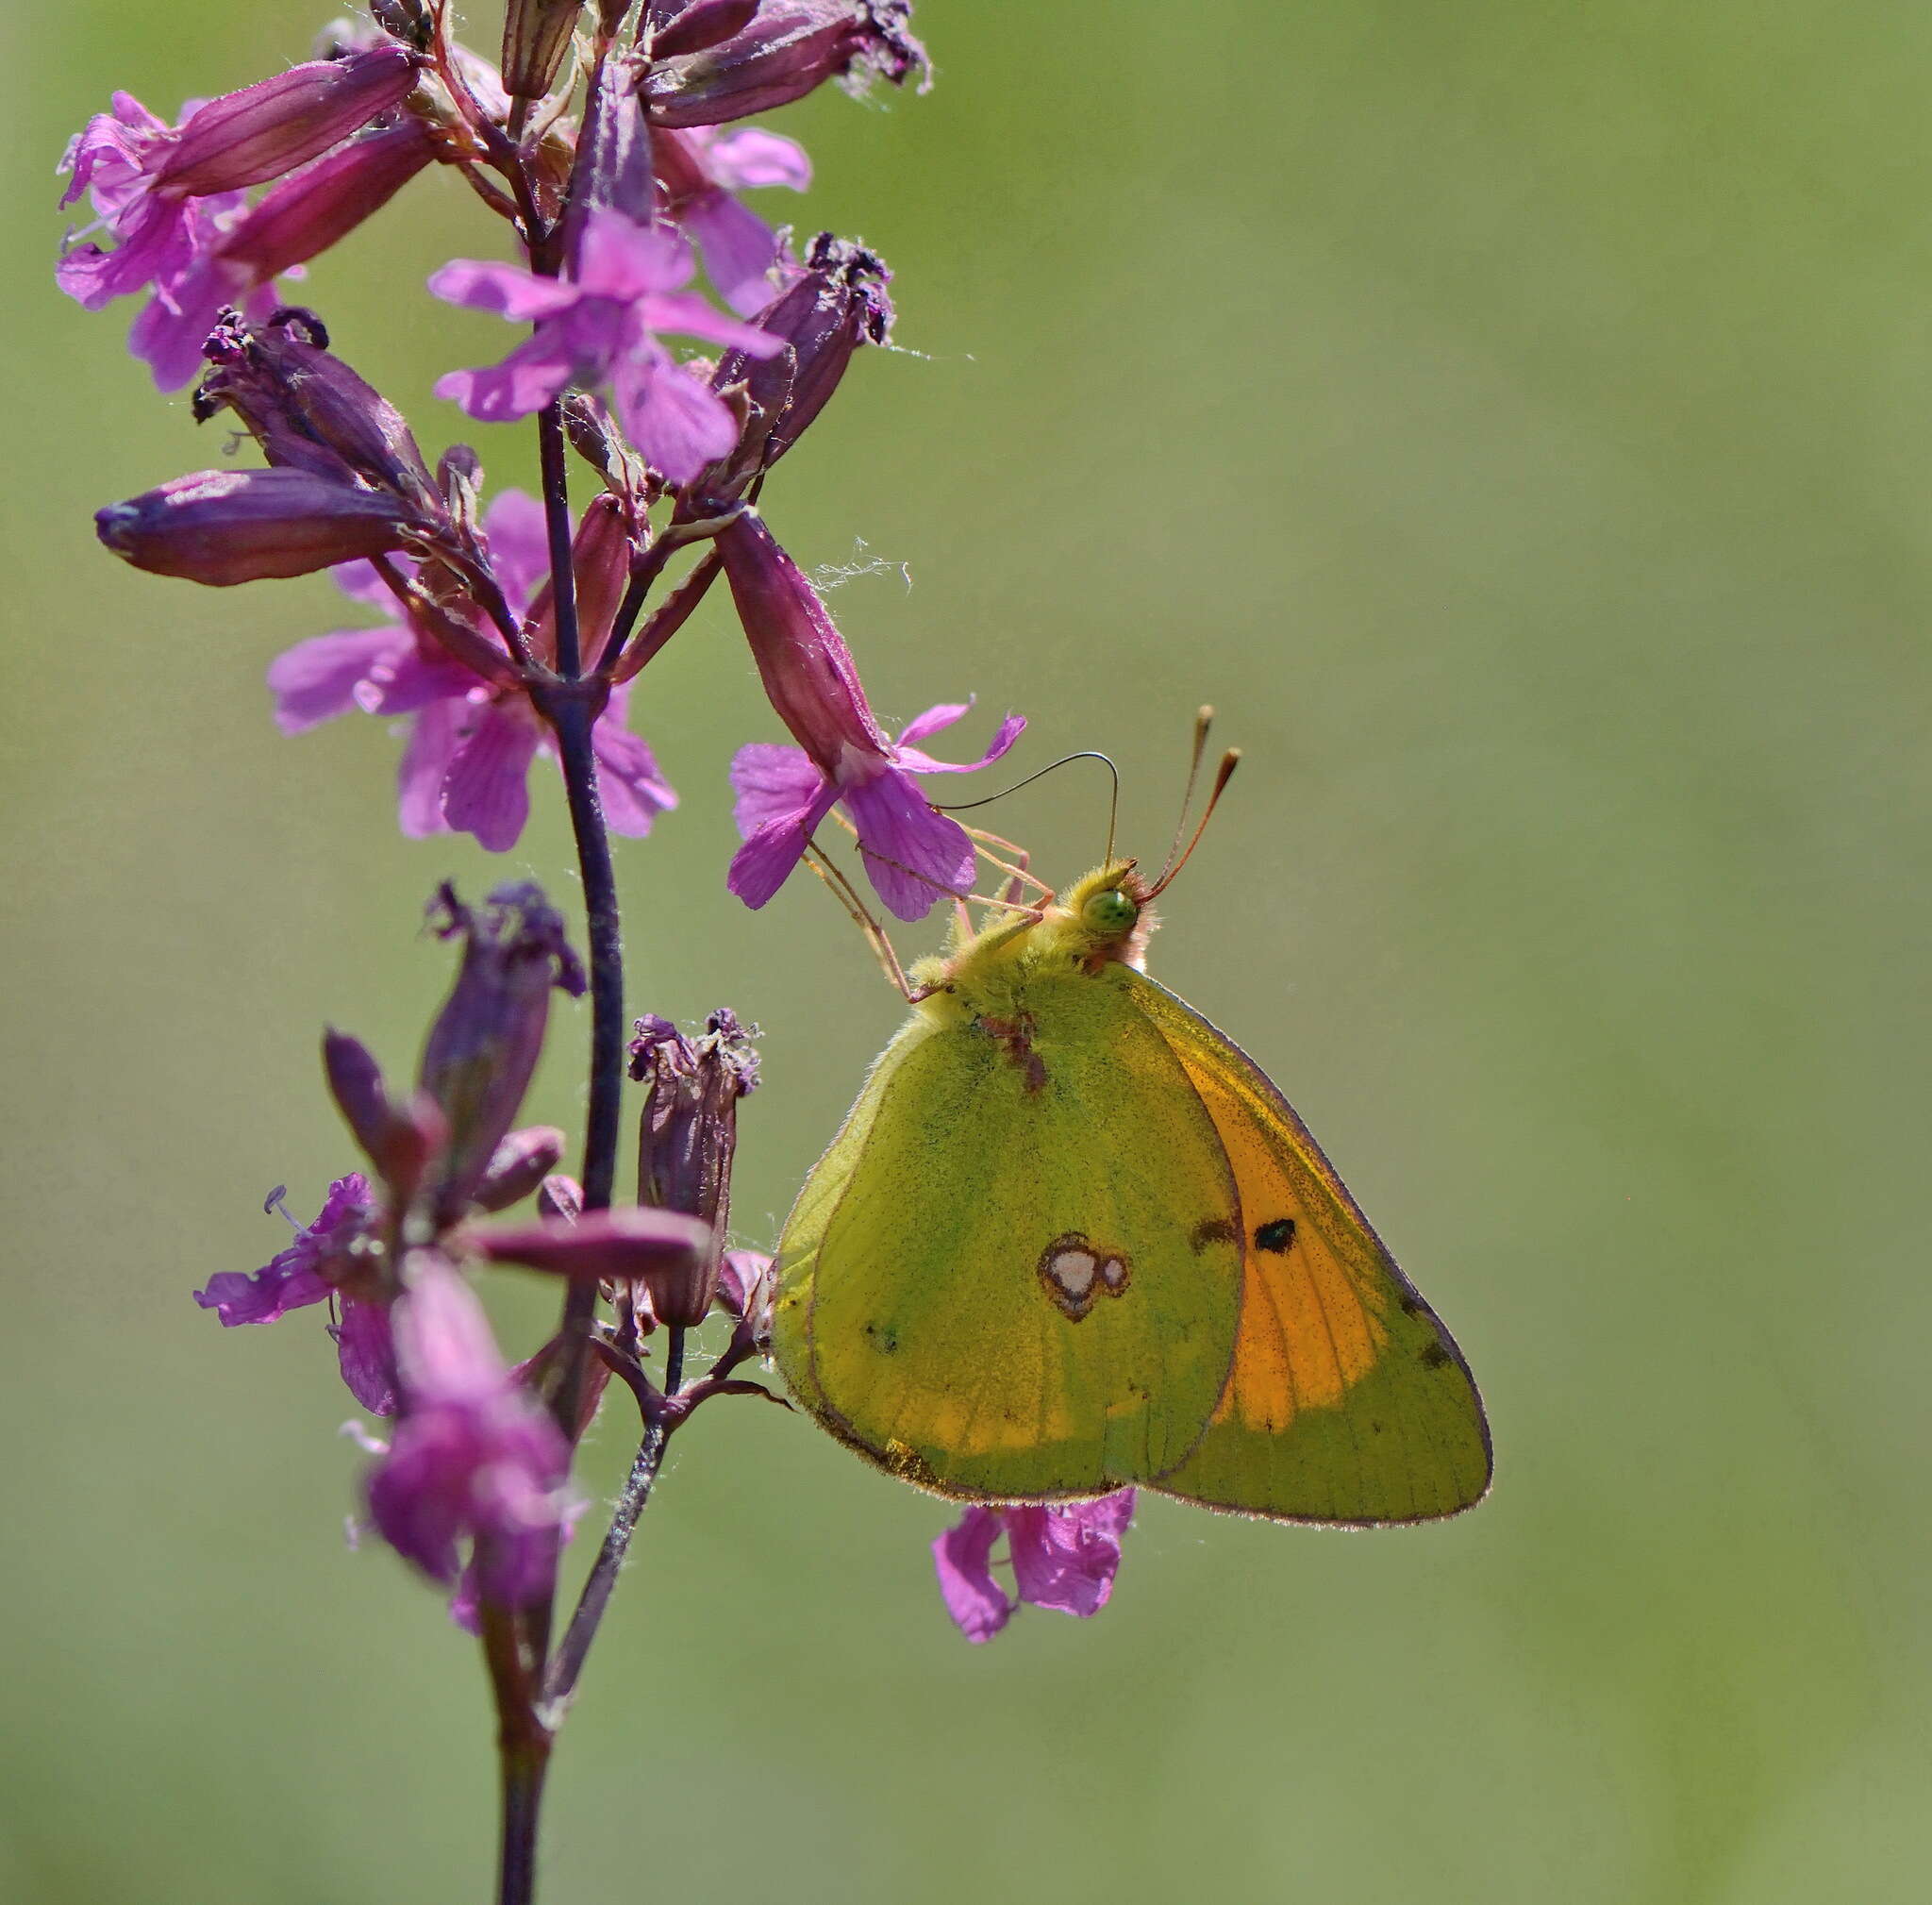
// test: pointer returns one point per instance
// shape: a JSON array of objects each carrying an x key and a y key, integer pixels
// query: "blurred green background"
[{"x": 1516, "y": 419}]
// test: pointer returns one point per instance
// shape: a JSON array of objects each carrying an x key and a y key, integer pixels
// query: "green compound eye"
[{"x": 1109, "y": 910}]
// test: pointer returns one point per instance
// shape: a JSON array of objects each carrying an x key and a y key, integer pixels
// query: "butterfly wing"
[
  {"x": 1015, "y": 1273},
  {"x": 1348, "y": 1401}
]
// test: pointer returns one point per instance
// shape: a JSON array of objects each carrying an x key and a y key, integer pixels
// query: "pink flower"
[
  {"x": 913, "y": 855},
  {"x": 320, "y": 1264},
  {"x": 701, "y": 170},
  {"x": 465, "y": 767},
  {"x": 475, "y": 1462},
  {"x": 1064, "y": 1557},
  {"x": 602, "y": 328}
]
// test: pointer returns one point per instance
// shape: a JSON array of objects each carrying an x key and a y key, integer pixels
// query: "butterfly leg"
[{"x": 847, "y": 896}]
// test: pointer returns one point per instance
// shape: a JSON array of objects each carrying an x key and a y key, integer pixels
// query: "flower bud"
[
  {"x": 270, "y": 127},
  {"x": 612, "y": 170},
  {"x": 399, "y": 1140},
  {"x": 599, "y": 561},
  {"x": 518, "y": 1166},
  {"x": 681, "y": 27},
  {"x": 307, "y": 410},
  {"x": 686, "y": 1139},
  {"x": 789, "y": 48},
  {"x": 836, "y": 304},
  {"x": 601, "y": 1247},
  {"x": 224, "y": 527},
  {"x": 561, "y": 1197},
  {"x": 745, "y": 1289},
  {"x": 486, "y": 1041},
  {"x": 535, "y": 33},
  {"x": 303, "y": 217}
]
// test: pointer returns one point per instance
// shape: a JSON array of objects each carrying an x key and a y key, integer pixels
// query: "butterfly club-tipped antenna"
[{"x": 1177, "y": 855}]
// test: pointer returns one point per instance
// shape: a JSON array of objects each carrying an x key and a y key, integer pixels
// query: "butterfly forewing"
[
  {"x": 1347, "y": 1401},
  {"x": 1016, "y": 1273}
]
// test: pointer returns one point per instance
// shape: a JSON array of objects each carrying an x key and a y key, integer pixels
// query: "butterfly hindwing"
[
  {"x": 1015, "y": 1274},
  {"x": 1348, "y": 1401}
]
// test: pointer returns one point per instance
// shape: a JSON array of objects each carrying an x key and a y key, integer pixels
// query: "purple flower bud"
[
  {"x": 399, "y": 1140},
  {"x": 745, "y": 1289},
  {"x": 474, "y": 1460},
  {"x": 307, "y": 410},
  {"x": 1064, "y": 1555},
  {"x": 838, "y": 303},
  {"x": 560, "y": 1197},
  {"x": 612, "y": 170},
  {"x": 518, "y": 1166},
  {"x": 789, "y": 48},
  {"x": 599, "y": 561},
  {"x": 486, "y": 1041},
  {"x": 686, "y": 1136},
  {"x": 535, "y": 33},
  {"x": 224, "y": 527},
  {"x": 303, "y": 217},
  {"x": 270, "y": 127},
  {"x": 676, "y": 27},
  {"x": 627, "y": 1244}
]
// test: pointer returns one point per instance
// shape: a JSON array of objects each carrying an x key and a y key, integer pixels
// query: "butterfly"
[{"x": 1071, "y": 1238}]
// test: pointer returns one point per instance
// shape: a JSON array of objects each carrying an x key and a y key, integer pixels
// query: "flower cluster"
[{"x": 503, "y": 626}]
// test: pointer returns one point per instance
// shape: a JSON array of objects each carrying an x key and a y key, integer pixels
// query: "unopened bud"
[
  {"x": 599, "y": 561},
  {"x": 304, "y": 216},
  {"x": 270, "y": 127},
  {"x": 535, "y": 33},
  {"x": 687, "y": 1137},
  {"x": 518, "y": 1166},
  {"x": 224, "y": 527},
  {"x": 486, "y": 1041},
  {"x": 612, "y": 170},
  {"x": 745, "y": 1287},
  {"x": 307, "y": 410},
  {"x": 675, "y": 30},
  {"x": 399, "y": 1140},
  {"x": 789, "y": 48},
  {"x": 626, "y": 1245},
  {"x": 561, "y": 1197}
]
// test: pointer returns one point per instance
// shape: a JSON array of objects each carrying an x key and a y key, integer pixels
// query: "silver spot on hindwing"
[{"x": 1077, "y": 1272}]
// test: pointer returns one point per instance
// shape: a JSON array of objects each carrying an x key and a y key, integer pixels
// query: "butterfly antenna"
[
  {"x": 1203, "y": 720},
  {"x": 1223, "y": 775}
]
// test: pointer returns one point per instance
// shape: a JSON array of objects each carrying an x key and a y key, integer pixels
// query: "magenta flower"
[
  {"x": 321, "y": 1263},
  {"x": 475, "y": 1462},
  {"x": 602, "y": 328},
  {"x": 465, "y": 767},
  {"x": 1064, "y": 1557},
  {"x": 701, "y": 170},
  {"x": 913, "y": 855}
]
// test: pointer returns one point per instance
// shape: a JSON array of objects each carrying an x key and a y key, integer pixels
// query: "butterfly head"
[{"x": 1105, "y": 917}]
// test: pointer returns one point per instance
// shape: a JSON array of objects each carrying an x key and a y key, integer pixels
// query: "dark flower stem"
[{"x": 567, "y": 1663}]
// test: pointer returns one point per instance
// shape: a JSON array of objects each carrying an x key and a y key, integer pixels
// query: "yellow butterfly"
[{"x": 1071, "y": 1238}]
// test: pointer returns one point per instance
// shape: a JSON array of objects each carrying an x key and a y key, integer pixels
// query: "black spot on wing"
[
  {"x": 1214, "y": 1230},
  {"x": 1278, "y": 1235},
  {"x": 1434, "y": 1356}
]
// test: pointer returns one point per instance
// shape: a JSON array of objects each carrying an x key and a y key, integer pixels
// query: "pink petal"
[
  {"x": 750, "y": 158},
  {"x": 508, "y": 290},
  {"x": 772, "y": 783},
  {"x": 518, "y": 544},
  {"x": 487, "y": 790},
  {"x": 963, "y": 1559},
  {"x": 411, "y": 680},
  {"x": 520, "y": 386},
  {"x": 424, "y": 765},
  {"x": 913, "y": 856},
  {"x": 675, "y": 422},
  {"x": 366, "y": 1354},
  {"x": 694, "y": 317},
  {"x": 916, "y": 762},
  {"x": 621, "y": 258},
  {"x": 764, "y": 862},
  {"x": 634, "y": 793},
  {"x": 1065, "y": 1558},
  {"x": 316, "y": 680},
  {"x": 739, "y": 248}
]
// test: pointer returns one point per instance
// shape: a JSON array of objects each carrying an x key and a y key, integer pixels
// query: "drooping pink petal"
[
  {"x": 299, "y": 1276},
  {"x": 508, "y": 290},
  {"x": 518, "y": 544},
  {"x": 487, "y": 790},
  {"x": 694, "y": 317},
  {"x": 764, "y": 862},
  {"x": 420, "y": 775},
  {"x": 913, "y": 856},
  {"x": 367, "y": 1354},
  {"x": 771, "y": 782},
  {"x": 963, "y": 1559},
  {"x": 739, "y": 248},
  {"x": 750, "y": 158},
  {"x": 316, "y": 680},
  {"x": 677, "y": 424},
  {"x": 1065, "y": 1556},
  {"x": 634, "y": 793},
  {"x": 916, "y": 760}
]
